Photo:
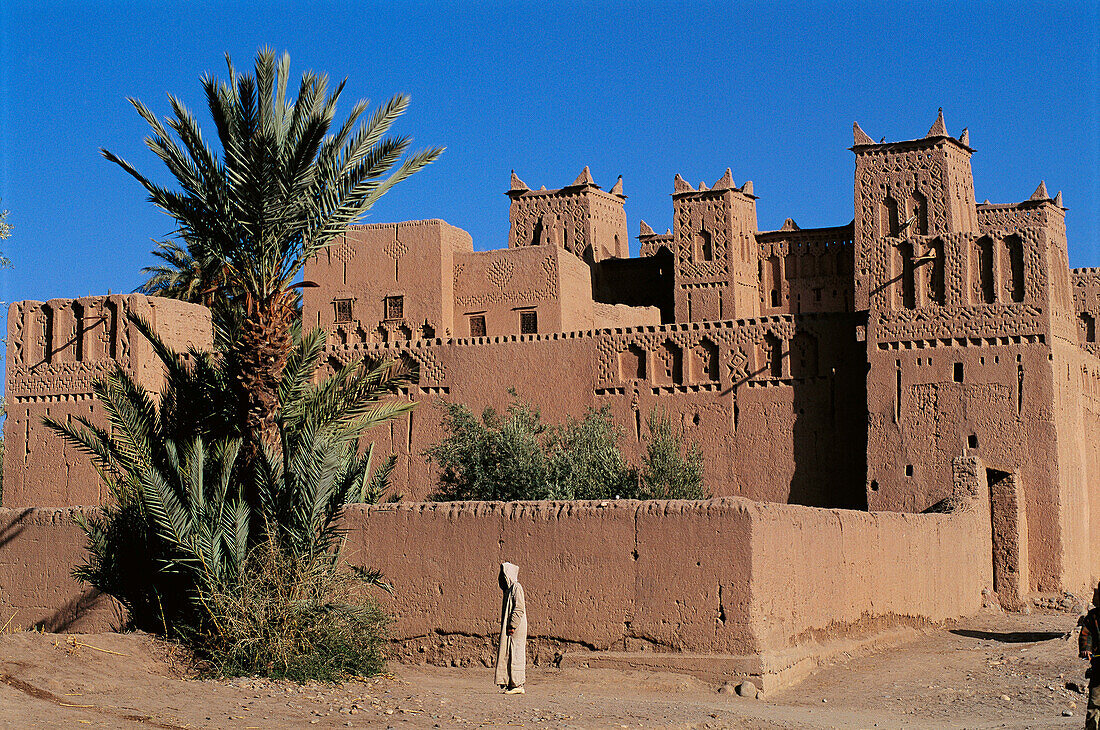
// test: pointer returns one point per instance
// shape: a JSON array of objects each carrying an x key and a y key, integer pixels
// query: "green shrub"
[
  {"x": 667, "y": 472},
  {"x": 500, "y": 457},
  {"x": 585, "y": 460},
  {"x": 515, "y": 456}
]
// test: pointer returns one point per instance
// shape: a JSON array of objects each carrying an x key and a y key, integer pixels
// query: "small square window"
[
  {"x": 528, "y": 322},
  {"x": 343, "y": 310},
  {"x": 477, "y": 325},
  {"x": 395, "y": 307}
]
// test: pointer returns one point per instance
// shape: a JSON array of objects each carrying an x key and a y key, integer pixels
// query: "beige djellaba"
[{"x": 512, "y": 650}]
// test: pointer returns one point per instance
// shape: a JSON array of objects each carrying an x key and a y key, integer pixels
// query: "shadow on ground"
[{"x": 1010, "y": 637}]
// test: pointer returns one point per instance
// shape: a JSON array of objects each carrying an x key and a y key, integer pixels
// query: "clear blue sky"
[{"x": 642, "y": 90}]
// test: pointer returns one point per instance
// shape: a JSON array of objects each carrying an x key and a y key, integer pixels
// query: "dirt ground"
[{"x": 991, "y": 671}]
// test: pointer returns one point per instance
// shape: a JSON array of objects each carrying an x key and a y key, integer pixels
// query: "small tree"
[
  {"x": 667, "y": 471},
  {"x": 286, "y": 181},
  {"x": 516, "y": 456},
  {"x": 585, "y": 459},
  {"x": 186, "y": 554},
  {"x": 500, "y": 457}
]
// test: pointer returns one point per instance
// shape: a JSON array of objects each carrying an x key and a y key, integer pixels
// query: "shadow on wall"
[
  {"x": 829, "y": 432},
  {"x": 637, "y": 282},
  {"x": 64, "y": 618},
  {"x": 830, "y": 427},
  {"x": 14, "y": 528}
]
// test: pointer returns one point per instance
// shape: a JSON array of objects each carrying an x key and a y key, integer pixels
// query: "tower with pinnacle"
[{"x": 581, "y": 218}]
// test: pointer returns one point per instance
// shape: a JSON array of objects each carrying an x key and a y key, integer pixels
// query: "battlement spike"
[
  {"x": 585, "y": 178},
  {"x": 1058, "y": 200},
  {"x": 517, "y": 184},
  {"x": 725, "y": 182},
  {"x": 859, "y": 136},
  {"x": 939, "y": 129},
  {"x": 1040, "y": 192},
  {"x": 617, "y": 188},
  {"x": 790, "y": 225},
  {"x": 645, "y": 230},
  {"x": 965, "y": 136},
  {"x": 747, "y": 187},
  {"x": 680, "y": 185}
]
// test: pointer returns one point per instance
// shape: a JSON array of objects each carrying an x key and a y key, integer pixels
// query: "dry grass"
[{"x": 295, "y": 618}]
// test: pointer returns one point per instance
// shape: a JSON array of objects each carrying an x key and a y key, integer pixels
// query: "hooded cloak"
[{"x": 512, "y": 650}]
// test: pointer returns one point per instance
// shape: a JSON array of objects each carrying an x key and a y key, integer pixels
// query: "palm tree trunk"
[{"x": 260, "y": 353}]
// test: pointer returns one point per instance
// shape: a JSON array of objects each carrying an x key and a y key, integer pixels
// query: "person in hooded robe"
[
  {"x": 512, "y": 649},
  {"x": 1089, "y": 647}
]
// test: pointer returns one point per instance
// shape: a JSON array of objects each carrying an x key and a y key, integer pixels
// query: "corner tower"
[
  {"x": 581, "y": 218},
  {"x": 716, "y": 255},
  {"x": 908, "y": 194}
]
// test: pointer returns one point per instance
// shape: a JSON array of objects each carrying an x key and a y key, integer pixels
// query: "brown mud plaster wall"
[
  {"x": 775, "y": 403},
  {"x": 726, "y": 576},
  {"x": 56, "y": 351},
  {"x": 38, "y": 550}
]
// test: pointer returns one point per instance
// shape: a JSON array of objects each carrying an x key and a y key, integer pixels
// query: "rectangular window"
[
  {"x": 528, "y": 322},
  {"x": 477, "y": 325},
  {"x": 343, "y": 310},
  {"x": 395, "y": 307}
]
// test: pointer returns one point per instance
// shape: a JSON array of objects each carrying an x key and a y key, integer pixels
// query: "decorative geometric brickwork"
[
  {"x": 396, "y": 249},
  {"x": 57, "y": 350},
  {"x": 493, "y": 286}
]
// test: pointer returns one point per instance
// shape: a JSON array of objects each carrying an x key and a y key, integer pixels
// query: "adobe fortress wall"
[
  {"x": 56, "y": 351},
  {"x": 756, "y": 587},
  {"x": 775, "y": 403}
]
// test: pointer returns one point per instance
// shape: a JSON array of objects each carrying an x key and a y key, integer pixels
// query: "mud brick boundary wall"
[{"x": 725, "y": 577}]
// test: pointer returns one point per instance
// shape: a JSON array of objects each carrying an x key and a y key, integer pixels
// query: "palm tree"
[
  {"x": 283, "y": 186},
  {"x": 178, "y": 528}
]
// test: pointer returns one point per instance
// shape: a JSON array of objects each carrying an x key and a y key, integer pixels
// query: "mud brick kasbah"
[{"x": 857, "y": 370}]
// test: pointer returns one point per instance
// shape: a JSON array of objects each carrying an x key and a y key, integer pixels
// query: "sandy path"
[{"x": 991, "y": 671}]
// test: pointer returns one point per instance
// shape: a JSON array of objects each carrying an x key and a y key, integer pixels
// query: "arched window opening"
[
  {"x": 889, "y": 217},
  {"x": 1015, "y": 248},
  {"x": 704, "y": 246},
  {"x": 920, "y": 214},
  {"x": 1088, "y": 327},
  {"x": 986, "y": 284}
]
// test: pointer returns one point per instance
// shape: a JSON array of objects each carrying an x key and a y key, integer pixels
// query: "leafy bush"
[
  {"x": 515, "y": 456},
  {"x": 188, "y": 554},
  {"x": 500, "y": 457},
  {"x": 667, "y": 472},
  {"x": 585, "y": 460}
]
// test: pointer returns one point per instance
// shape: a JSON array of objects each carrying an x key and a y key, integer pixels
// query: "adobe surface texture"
[
  {"x": 834, "y": 367},
  {"x": 843, "y": 367}
]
